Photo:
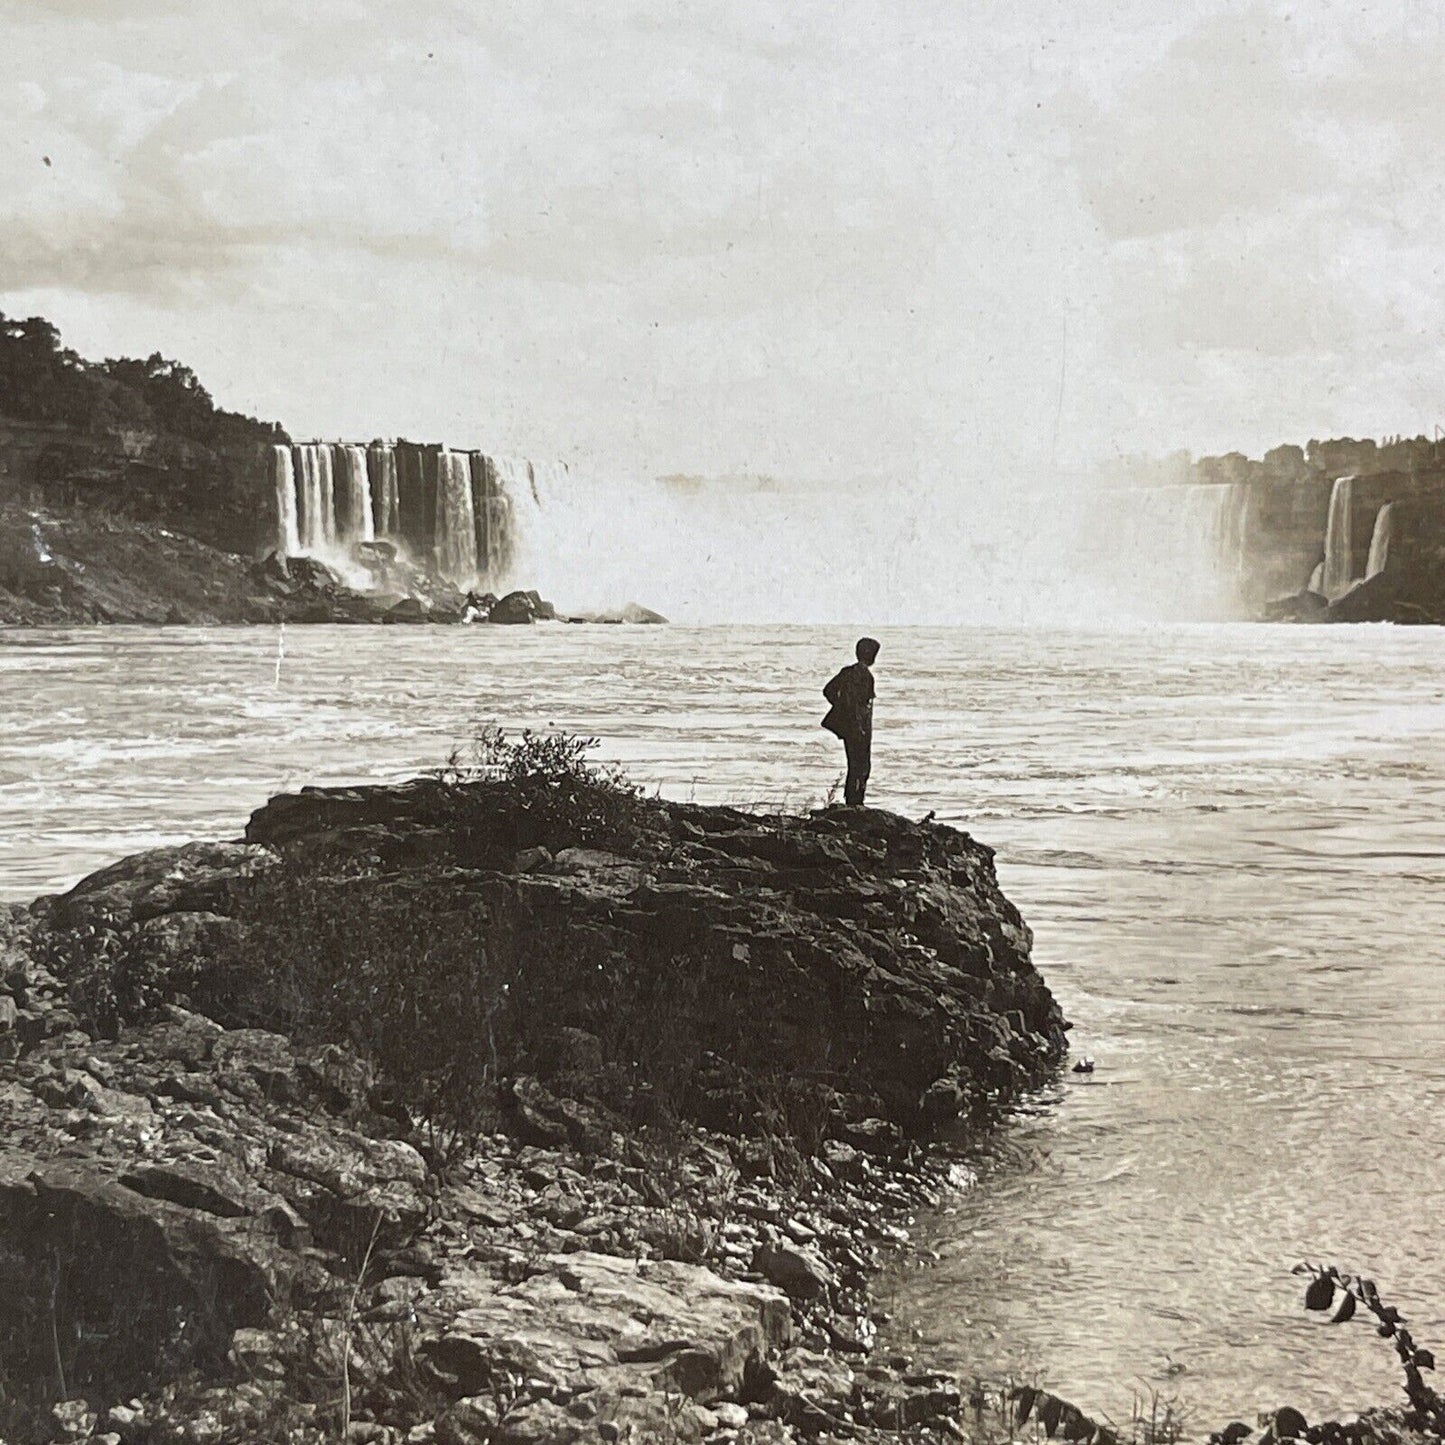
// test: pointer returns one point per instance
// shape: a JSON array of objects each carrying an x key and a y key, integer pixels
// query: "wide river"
[{"x": 1230, "y": 843}]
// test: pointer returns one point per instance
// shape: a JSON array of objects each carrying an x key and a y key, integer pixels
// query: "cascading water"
[
  {"x": 326, "y": 482},
  {"x": 311, "y": 522},
  {"x": 353, "y": 496},
  {"x": 456, "y": 526},
  {"x": 1231, "y": 530},
  {"x": 332, "y": 499},
  {"x": 514, "y": 481},
  {"x": 492, "y": 511},
  {"x": 758, "y": 551},
  {"x": 381, "y": 469},
  {"x": 1339, "y": 539},
  {"x": 1380, "y": 540},
  {"x": 288, "y": 536}
]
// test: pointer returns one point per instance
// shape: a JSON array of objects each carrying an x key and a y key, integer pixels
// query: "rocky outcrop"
[
  {"x": 214, "y": 1230},
  {"x": 852, "y": 944}
]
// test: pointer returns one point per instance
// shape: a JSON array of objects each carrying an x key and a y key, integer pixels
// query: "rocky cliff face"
[
  {"x": 1282, "y": 558},
  {"x": 1280, "y": 514},
  {"x": 217, "y": 495},
  {"x": 228, "y": 1209}
]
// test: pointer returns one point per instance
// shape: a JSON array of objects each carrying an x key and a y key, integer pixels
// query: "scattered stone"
[
  {"x": 799, "y": 1272},
  {"x": 74, "y": 1419},
  {"x": 569, "y": 1277},
  {"x": 730, "y": 1416},
  {"x": 812, "y": 1391}
]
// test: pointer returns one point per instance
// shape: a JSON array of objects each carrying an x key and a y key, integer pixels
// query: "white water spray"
[
  {"x": 903, "y": 551},
  {"x": 353, "y": 497},
  {"x": 1380, "y": 540},
  {"x": 288, "y": 537},
  {"x": 1339, "y": 539},
  {"x": 456, "y": 525},
  {"x": 884, "y": 554}
]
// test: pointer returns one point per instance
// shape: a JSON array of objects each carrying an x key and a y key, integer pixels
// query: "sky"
[{"x": 861, "y": 238}]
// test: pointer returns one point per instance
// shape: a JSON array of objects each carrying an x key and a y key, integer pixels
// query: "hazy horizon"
[{"x": 838, "y": 242}]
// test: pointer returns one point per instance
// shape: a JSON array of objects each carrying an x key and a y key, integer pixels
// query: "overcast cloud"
[{"x": 811, "y": 239}]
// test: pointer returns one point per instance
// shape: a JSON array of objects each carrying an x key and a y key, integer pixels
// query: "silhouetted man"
[{"x": 851, "y": 718}]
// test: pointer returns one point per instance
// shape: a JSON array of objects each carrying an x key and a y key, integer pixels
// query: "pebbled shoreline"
[
  {"x": 507, "y": 1113},
  {"x": 212, "y": 1230}
]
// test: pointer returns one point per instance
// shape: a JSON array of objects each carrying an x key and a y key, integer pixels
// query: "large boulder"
[
  {"x": 848, "y": 944},
  {"x": 635, "y": 613},
  {"x": 189, "y": 878},
  {"x": 586, "y": 1321},
  {"x": 515, "y": 607},
  {"x": 271, "y": 1209},
  {"x": 1303, "y": 606},
  {"x": 1374, "y": 599}
]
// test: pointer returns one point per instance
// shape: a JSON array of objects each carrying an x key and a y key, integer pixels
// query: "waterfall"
[
  {"x": 315, "y": 472},
  {"x": 514, "y": 481},
  {"x": 1380, "y": 540},
  {"x": 288, "y": 538},
  {"x": 1231, "y": 528},
  {"x": 504, "y": 507},
  {"x": 1339, "y": 539},
  {"x": 456, "y": 527},
  {"x": 381, "y": 470},
  {"x": 326, "y": 473},
  {"x": 1182, "y": 546},
  {"x": 549, "y": 482},
  {"x": 496, "y": 524},
  {"x": 945, "y": 548},
  {"x": 353, "y": 496},
  {"x": 311, "y": 524}
]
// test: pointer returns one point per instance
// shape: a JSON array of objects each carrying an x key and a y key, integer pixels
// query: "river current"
[{"x": 1229, "y": 841}]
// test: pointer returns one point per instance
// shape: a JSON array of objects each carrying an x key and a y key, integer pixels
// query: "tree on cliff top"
[{"x": 43, "y": 381}]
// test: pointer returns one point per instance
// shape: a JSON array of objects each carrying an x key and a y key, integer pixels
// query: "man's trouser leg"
[{"x": 860, "y": 763}]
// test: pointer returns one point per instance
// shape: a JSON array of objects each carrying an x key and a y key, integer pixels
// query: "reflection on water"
[{"x": 1229, "y": 842}]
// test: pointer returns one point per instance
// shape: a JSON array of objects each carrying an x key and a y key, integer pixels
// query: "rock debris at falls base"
[
  {"x": 214, "y": 1231},
  {"x": 76, "y": 566}
]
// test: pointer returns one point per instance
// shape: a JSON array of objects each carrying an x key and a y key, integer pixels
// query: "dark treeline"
[
  {"x": 43, "y": 381},
  {"x": 1316, "y": 460},
  {"x": 1339, "y": 457}
]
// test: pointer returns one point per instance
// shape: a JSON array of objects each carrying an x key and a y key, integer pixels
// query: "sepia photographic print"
[{"x": 721, "y": 722}]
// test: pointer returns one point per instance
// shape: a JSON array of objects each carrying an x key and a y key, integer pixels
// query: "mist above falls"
[
  {"x": 906, "y": 552},
  {"x": 753, "y": 550}
]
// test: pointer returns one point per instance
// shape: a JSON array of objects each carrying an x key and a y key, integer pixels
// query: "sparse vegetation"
[
  {"x": 1341, "y": 1296},
  {"x": 568, "y": 796},
  {"x": 115, "y": 975}
]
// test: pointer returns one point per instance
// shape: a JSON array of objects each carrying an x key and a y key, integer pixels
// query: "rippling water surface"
[{"x": 1228, "y": 841}]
